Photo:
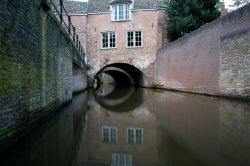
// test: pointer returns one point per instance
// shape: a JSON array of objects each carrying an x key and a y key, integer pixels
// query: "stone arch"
[{"x": 123, "y": 74}]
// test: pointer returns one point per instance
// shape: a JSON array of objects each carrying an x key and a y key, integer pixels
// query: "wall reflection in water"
[
  {"x": 164, "y": 128},
  {"x": 119, "y": 137},
  {"x": 119, "y": 98},
  {"x": 53, "y": 143},
  {"x": 139, "y": 127}
]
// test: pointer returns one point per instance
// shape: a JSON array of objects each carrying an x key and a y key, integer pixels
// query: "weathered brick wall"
[
  {"x": 149, "y": 21},
  {"x": 80, "y": 23},
  {"x": 79, "y": 81},
  {"x": 214, "y": 59},
  {"x": 36, "y": 58}
]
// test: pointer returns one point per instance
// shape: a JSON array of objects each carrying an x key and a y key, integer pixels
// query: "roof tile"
[
  {"x": 120, "y": 1},
  {"x": 97, "y": 6}
]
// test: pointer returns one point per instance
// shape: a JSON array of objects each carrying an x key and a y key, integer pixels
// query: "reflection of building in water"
[
  {"x": 134, "y": 135},
  {"x": 119, "y": 159},
  {"x": 106, "y": 79},
  {"x": 119, "y": 138},
  {"x": 109, "y": 134},
  {"x": 104, "y": 90}
]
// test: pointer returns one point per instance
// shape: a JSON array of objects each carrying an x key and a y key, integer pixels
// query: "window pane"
[
  {"x": 116, "y": 13},
  {"x": 138, "y": 38},
  {"x": 104, "y": 35},
  {"x": 113, "y": 135},
  {"x": 134, "y": 135},
  {"x": 130, "y": 136},
  {"x": 138, "y": 136},
  {"x": 137, "y": 44},
  {"x": 119, "y": 159},
  {"x": 112, "y": 39},
  {"x": 109, "y": 134},
  {"x": 104, "y": 40},
  {"x": 120, "y": 7},
  {"x": 130, "y": 39},
  {"x": 108, "y": 40},
  {"x": 127, "y": 12},
  {"x": 121, "y": 12},
  {"x": 105, "y": 135}
]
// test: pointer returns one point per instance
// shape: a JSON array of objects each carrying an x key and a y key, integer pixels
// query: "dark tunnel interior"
[{"x": 122, "y": 74}]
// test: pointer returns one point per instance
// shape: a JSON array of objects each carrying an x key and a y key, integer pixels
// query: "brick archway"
[{"x": 124, "y": 74}]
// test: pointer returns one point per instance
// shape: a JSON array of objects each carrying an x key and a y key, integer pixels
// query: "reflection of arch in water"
[
  {"x": 123, "y": 74},
  {"x": 121, "y": 99}
]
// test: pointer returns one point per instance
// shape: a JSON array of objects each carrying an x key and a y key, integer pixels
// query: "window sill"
[
  {"x": 135, "y": 47},
  {"x": 121, "y": 20},
  {"x": 108, "y": 48}
]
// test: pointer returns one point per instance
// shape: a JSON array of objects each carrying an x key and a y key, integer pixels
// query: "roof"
[
  {"x": 97, "y": 6},
  {"x": 119, "y": 2},
  {"x": 147, "y": 4},
  {"x": 76, "y": 7}
]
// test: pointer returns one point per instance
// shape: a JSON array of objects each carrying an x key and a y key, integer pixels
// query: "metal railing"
[{"x": 65, "y": 20}]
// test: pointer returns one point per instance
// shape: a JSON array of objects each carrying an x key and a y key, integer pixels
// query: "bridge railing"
[{"x": 65, "y": 20}]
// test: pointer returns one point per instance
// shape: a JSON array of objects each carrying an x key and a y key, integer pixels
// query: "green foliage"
[{"x": 187, "y": 15}]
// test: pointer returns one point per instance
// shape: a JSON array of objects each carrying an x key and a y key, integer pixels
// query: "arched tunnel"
[{"x": 122, "y": 74}]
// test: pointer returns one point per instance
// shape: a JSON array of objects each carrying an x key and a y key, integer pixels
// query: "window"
[
  {"x": 121, "y": 12},
  {"x": 109, "y": 134},
  {"x": 134, "y": 39},
  {"x": 119, "y": 159},
  {"x": 108, "y": 39},
  {"x": 135, "y": 135}
]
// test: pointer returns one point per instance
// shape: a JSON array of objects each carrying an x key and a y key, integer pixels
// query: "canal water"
[{"x": 139, "y": 127}]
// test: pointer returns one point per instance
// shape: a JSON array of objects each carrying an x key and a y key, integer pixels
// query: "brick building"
[{"x": 120, "y": 31}]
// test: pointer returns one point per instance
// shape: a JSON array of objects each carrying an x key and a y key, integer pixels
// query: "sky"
[{"x": 228, "y": 2}]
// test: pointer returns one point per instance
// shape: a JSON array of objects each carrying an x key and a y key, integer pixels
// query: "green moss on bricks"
[
  {"x": 43, "y": 47},
  {"x": 10, "y": 74},
  {"x": 35, "y": 68}
]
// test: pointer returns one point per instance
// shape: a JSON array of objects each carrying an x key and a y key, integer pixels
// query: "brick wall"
[
  {"x": 80, "y": 23},
  {"x": 150, "y": 22},
  {"x": 214, "y": 59},
  {"x": 36, "y": 58},
  {"x": 79, "y": 81}
]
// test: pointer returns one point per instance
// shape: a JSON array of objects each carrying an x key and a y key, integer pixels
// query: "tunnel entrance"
[{"x": 120, "y": 74}]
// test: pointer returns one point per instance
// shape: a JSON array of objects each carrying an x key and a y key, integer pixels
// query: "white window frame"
[
  {"x": 117, "y": 16},
  {"x": 134, "y": 31},
  {"x": 109, "y": 34},
  {"x": 109, "y": 128},
  {"x": 134, "y": 129},
  {"x": 121, "y": 159}
]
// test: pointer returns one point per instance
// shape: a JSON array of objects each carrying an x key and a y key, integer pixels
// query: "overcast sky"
[{"x": 227, "y": 2}]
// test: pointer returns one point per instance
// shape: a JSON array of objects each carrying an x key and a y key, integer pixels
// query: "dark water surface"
[{"x": 139, "y": 127}]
